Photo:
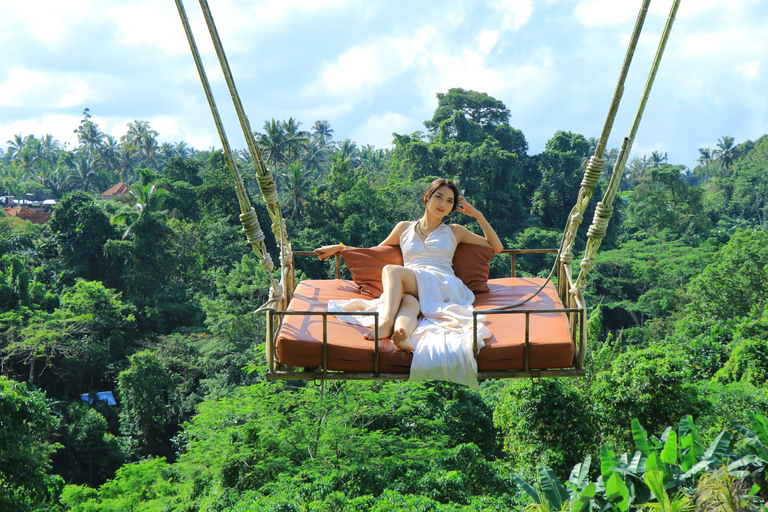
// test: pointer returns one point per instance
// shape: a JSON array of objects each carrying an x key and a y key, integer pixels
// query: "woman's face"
[{"x": 441, "y": 202}]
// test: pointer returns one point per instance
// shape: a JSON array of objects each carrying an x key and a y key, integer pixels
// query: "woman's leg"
[
  {"x": 405, "y": 323},
  {"x": 396, "y": 282}
]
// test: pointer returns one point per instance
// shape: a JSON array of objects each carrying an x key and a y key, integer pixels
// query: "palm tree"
[
  {"x": 54, "y": 179},
  {"x": 50, "y": 148},
  {"x": 141, "y": 139},
  {"x": 315, "y": 159},
  {"x": 82, "y": 175},
  {"x": 296, "y": 188},
  {"x": 28, "y": 161},
  {"x": 635, "y": 169},
  {"x": 17, "y": 145},
  {"x": 125, "y": 165},
  {"x": 371, "y": 159},
  {"x": 148, "y": 198},
  {"x": 273, "y": 142},
  {"x": 109, "y": 153},
  {"x": 322, "y": 131},
  {"x": 182, "y": 150},
  {"x": 147, "y": 202},
  {"x": 347, "y": 150},
  {"x": 295, "y": 138},
  {"x": 706, "y": 157},
  {"x": 657, "y": 159},
  {"x": 725, "y": 154},
  {"x": 166, "y": 153},
  {"x": 90, "y": 136}
]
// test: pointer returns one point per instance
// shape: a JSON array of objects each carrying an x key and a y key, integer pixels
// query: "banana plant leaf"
[
  {"x": 669, "y": 453},
  {"x": 759, "y": 423},
  {"x": 617, "y": 492},
  {"x": 719, "y": 447},
  {"x": 526, "y": 487},
  {"x": 554, "y": 490},
  {"x": 641, "y": 437},
  {"x": 608, "y": 461},
  {"x": 579, "y": 476}
]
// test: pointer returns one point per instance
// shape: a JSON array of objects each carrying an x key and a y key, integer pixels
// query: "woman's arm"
[
  {"x": 463, "y": 235},
  {"x": 327, "y": 251},
  {"x": 394, "y": 236}
]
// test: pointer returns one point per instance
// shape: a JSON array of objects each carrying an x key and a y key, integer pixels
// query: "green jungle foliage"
[{"x": 150, "y": 295}]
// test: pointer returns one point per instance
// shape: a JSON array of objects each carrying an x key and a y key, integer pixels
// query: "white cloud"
[
  {"x": 26, "y": 88},
  {"x": 60, "y": 126},
  {"x": 487, "y": 40},
  {"x": 21, "y": 86},
  {"x": 378, "y": 129},
  {"x": 750, "y": 69},
  {"x": 467, "y": 69},
  {"x": 593, "y": 13},
  {"x": 515, "y": 13},
  {"x": 282, "y": 10},
  {"x": 157, "y": 24},
  {"x": 377, "y": 62},
  {"x": 49, "y": 21}
]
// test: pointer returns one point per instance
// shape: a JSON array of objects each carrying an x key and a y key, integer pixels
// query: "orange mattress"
[{"x": 300, "y": 339}]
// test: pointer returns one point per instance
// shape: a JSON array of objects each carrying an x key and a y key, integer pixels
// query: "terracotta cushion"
[
  {"x": 549, "y": 333},
  {"x": 471, "y": 264},
  {"x": 365, "y": 265},
  {"x": 299, "y": 341}
]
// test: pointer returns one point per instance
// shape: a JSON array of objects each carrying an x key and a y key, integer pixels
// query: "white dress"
[{"x": 443, "y": 337}]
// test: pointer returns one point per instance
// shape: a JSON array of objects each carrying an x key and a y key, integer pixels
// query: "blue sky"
[{"x": 373, "y": 67}]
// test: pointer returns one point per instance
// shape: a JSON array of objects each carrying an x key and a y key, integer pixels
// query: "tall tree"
[
  {"x": 657, "y": 159},
  {"x": 560, "y": 166},
  {"x": 663, "y": 205},
  {"x": 147, "y": 411},
  {"x": 90, "y": 136},
  {"x": 477, "y": 107},
  {"x": 315, "y": 159},
  {"x": 322, "y": 131},
  {"x": 296, "y": 188},
  {"x": 83, "y": 174},
  {"x": 295, "y": 137},
  {"x": 79, "y": 231},
  {"x": 725, "y": 154},
  {"x": 17, "y": 144},
  {"x": 25, "y": 458},
  {"x": 274, "y": 143},
  {"x": 141, "y": 139}
]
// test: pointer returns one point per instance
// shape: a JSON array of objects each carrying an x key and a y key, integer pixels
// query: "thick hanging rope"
[
  {"x": 595, "y": 165},
  {"x": 264, "y": 177},
  {"x": 597, "y": 162},
  {"x": 248, "y": 217},
  {"x": 267, "y": 185},
  {"x": 604, "y": 209}
]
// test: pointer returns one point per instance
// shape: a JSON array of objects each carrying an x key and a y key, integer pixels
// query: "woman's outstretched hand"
[{"x": 327, "y": 251}]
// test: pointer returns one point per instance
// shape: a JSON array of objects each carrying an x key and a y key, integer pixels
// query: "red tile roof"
[
  {"x": 23, "y": 212},
  {"x": 118, "y": 190}
]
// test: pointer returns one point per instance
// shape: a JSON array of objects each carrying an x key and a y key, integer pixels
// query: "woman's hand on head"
[{"x": 466, "y": 208}]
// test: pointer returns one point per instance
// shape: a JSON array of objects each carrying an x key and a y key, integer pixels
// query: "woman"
[{"x": 426, "y": 283}]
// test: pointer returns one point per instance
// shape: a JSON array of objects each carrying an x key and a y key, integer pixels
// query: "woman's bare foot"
[
  {"x": 402, "y": 341},
  {"x": 385, "y": 331}
]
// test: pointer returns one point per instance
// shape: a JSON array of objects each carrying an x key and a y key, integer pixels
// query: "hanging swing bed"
[{"x": 538, "y": 327}]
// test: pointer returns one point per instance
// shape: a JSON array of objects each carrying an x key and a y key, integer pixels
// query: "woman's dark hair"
[{"x": 442, "y": 182}]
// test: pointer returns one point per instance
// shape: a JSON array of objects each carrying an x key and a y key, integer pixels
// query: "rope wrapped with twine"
[{"x": 591, "y": 174}]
